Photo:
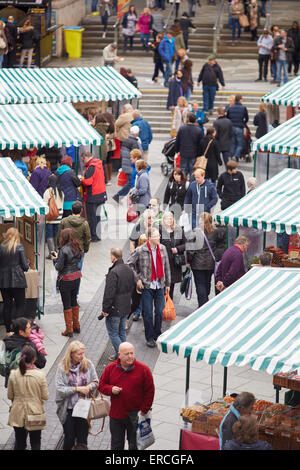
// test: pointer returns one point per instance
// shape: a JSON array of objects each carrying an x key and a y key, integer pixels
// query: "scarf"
[
  {"x": 157, "y": 273},
  {"x": 76, "y": 379}
]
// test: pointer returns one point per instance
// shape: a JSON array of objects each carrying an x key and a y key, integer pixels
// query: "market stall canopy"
[
  {"x": 44, "y": 125},
  {"x": 284, "y": 139},
  {"x": 17, "y": 195},
  {"x": 287, "y": 94},
  {"x": 64, "y": 84},
  {"x": 255, "y": 322},
  {"x": 274, "y": 205}
]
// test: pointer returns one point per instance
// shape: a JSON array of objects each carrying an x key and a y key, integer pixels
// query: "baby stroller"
[
  {"x": 169, "y": 152},
  {"x": 247, "y": 145}
]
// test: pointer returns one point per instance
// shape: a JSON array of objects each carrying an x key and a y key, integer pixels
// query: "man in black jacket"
[
  {"x": 238, "y": 115},
  {"x": 294, "y": 33},
  {"x": 210, "y": 74},
  {"x": 223, "y": 126},
  {"x": 116, "y": 304},
  {"x": 231, "y": 185},
  {"x": 188, "y": 144}
]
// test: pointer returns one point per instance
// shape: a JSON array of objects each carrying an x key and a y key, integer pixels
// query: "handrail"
[
  {"x": 217, "y": 26},
  {"x": 268, "y": 15},
  {"x": 171, "y": 11}
]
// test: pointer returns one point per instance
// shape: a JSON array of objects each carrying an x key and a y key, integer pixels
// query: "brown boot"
[
  {"x": 69, "y": 323},
  {"x": 75, "y": 314}
]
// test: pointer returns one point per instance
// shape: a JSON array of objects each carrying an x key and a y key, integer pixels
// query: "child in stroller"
[
  {"x": 169, "y": 152},
  {"x": 247, "y": 145}
]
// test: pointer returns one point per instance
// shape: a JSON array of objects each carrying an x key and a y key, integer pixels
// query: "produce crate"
[
  {"x": 294, "y": 384},
  {"x": 288, "y": 263},
  {"x": 280, "y": 381},
  {"x": 295, "y": 441}
]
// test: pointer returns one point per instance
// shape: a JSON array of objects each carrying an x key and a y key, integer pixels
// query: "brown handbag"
[
  {"x": 244, "y": 22},
  {"x": 201, "y": 162},
  {"x": 53, "y": 209},
  {"x": 100, "y": 408}
]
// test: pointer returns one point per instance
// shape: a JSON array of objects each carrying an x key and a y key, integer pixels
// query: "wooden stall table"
[{"x": 193, "y": 441}]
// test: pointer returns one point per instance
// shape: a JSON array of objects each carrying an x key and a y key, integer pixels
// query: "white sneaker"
[{"x": 108, "y": 183}]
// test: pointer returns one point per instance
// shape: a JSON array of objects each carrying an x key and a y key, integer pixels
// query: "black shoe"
[
  {"x": 135, "y": 317},
  {"x": 151, "y": 343},
  {"x": 95, "y": 239},
  {"x": 265, "y": 79},
  {"x": 258, "y": 80}
]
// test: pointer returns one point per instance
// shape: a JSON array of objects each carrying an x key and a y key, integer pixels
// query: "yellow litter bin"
[{"x": 73, "y": 39}]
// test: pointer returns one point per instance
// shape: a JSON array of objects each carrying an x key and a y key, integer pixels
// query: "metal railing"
[
  {"x": 171, "y": 11},
  {"x": 217, "y": 26},
  {"x": 268, "y": 15}
]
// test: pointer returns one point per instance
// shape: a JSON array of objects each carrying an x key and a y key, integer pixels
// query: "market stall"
[
  {"x": 265, "y": 214},
  {"x": 45, "y": 125},
  {"x": 253, "y": 322},
  {"x": 87, "y": 88},
  {"x": 287, "y": 95},
  {"x": 22, "y": 207},
  {"x": 277, "y": 149}
]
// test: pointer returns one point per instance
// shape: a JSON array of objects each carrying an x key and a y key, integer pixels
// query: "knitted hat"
[
  {"x": 66, "y": 160},
  {"x": 211, "y": 57}
]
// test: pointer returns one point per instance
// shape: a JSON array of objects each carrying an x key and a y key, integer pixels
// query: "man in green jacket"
[{"x": 80, "y": 227}]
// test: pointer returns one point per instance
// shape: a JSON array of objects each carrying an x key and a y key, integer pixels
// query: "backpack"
[{"x": 9, "y": 360}]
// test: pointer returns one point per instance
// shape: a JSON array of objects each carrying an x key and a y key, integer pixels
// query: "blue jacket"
[
  {"x": 145, "y": 131},
  {"x": 22, "y": 166},
  {"x": 167, "y": 49},
  {"x": 134, "y": 174},
  {"x": 238, "y": 115},
  {"x": 206, "y": 195},
  {"x": 68, "y": 182}
]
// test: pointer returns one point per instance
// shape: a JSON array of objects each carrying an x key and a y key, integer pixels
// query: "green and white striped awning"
[
  {"x": 50, "y": 125},
  {"x": 255, "y": 322},
  {"x": 284, "y": 139},
  {"x": 274, "y": 205},
  {"x": 287, "y": 94},
  {"x": 64, "y": 84},
  {"x": 17, "y": 195}
]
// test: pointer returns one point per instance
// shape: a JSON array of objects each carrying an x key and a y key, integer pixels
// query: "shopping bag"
[
  {"x": 132, "y": 214},
  {"x": 189, "y": 287},
  {"x": 53, "y": 275},
  {"x": 82, "y": 408},
  {"x": 184, "y": 280},
  {"x": 169, "y": 313},
  {"x": 122, "y": 178},
  {"x": 144, "y": 434},
  {"x": 244, "y": 22}
]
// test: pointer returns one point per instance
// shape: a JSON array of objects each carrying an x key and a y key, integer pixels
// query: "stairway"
[{"x": 152, "y": 105}]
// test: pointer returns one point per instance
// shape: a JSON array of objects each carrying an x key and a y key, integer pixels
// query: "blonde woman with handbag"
[
  {"x": 27, "y": 389},
  {"x": 179, "y": 117},
  {"x": 75, "y": 378}
]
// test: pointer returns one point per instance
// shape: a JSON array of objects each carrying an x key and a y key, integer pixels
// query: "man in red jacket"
[
  {"x": 94, "y": 192},
  {"x": 130, "y": 385}
]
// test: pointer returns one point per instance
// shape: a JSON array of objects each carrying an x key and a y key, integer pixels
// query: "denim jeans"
[
  {"x": 225, "y": 155},
  {"x": 145, "y": 38},
  {"x": 188, "y": 94},
  {"x": 160, "y": 4},
  {"x": 152, "y": 297},
  {"x": 168, "y": 71},
  {"x": 125, "y": 189},
  {"x": 119, "y": 427},
  {"x": 126, "y": 39},
  {"x": 202, "y": 280},
  {"x": 237, "y": 142},
  {"x": 94, "y": 5},
  {"x": 158, "y": 67},
  {"x": 209, "y": 93},
  {"x": 187, "y": 165},
  {"x": 235, "y": 24},
  {"x": 281, "y": 65},
  {"x": 116, "y": 329},
  {"x": 51, "y": 230}
]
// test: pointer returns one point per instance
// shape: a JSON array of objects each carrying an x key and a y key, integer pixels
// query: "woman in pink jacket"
[{"x": 145, "y": 27}]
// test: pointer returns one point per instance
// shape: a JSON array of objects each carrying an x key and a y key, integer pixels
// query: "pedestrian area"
[{"x": 169, "y": 370}]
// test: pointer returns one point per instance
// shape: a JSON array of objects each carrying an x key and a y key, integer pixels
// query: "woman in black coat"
[
  {"x": 13, "y": 263},
  {"x": 172, "y": 237},
  {"x": 66, "y": 263},
  {"x": 212, "y": 154},
  {"x": 175, "y": 192},
  {"x": 260, "y": 120}
]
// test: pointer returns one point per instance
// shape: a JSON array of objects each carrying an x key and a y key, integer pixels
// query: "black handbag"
[{"x": 179, "y": 259}]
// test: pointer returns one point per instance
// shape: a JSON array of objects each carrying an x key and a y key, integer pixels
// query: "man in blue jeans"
[
  {"x": 167, "y": 51},
  {"x": 116, "y": 304},
  {"x": 238, "y": 115},
  {"x": 151, "y": 268},
  {"x": 209, "y": 75}
]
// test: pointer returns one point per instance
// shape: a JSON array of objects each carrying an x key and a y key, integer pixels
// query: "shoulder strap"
[
  {"x": 208, "y": 145},
  {"x": 209, "y": 247}
]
